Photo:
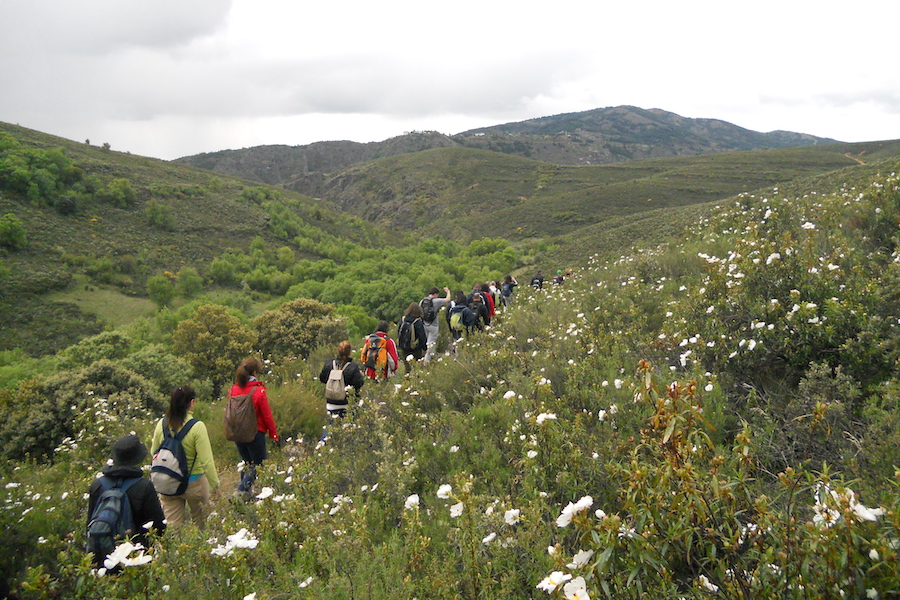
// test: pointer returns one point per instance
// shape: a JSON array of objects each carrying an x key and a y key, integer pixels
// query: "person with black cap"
[{"x": 128, "y": 454}]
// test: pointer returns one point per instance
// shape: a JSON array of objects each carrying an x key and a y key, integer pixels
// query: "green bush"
[
  {"x": 213, "y": 342},
  {"x": 12, "y": 232},
  {"x": 298, "y": 326},
  {"x": 159, "y": 215}
]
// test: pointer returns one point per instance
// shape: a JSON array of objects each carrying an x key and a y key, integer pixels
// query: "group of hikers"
[{"x": 122, "y": 503}]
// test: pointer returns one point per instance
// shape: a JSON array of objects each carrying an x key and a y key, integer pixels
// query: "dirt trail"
[{"x": 851, "y": 157}]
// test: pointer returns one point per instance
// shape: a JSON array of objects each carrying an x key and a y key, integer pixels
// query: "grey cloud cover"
[{"x": 170, "y": 78}]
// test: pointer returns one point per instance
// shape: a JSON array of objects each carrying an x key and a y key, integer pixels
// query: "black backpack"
[
  {"x": 428, "y": 312},
  {"x": 406, "y": 335},
  {"x": 169, "y": 469},
  {"x": 112, "y": 519}
]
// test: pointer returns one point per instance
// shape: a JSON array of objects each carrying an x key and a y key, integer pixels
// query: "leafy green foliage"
[
  {"x": 213, "y": 342},
  {"x": 159, "y": 215},
  {"x": 296, "y": 327},
  {"x": 12, "y": 232}
]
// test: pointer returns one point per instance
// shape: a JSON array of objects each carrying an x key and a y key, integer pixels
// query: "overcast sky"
[{"x": 170, "y": 78}]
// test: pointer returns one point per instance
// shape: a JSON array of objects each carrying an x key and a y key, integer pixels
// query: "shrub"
[
  {"x": 161, "y": 290},
  {"x": 188, "y": 282},
  {"x": 109, "y": 345},
  {"x": 39, "y": 415},
  {"x": 296, "y": 327},
  {"x": 213, "y": 342},
  {"x": 12, "y": 232},
  {"x": 118, "y": 193},
  {"x": 160, "y": 216}
]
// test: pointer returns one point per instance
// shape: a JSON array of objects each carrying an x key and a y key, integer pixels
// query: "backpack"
[
  {"x": 169, "y": 470},
  {"x": 335, "y": 388},
  {"x": 240, "y": 417},
  {"x": 111, "y": 519},
  {"x": 429, "y": 314},
  {"x": 406, "y": 335},
  {"x": 457, "y": 319},
  {"x": 374, "y": 354}
]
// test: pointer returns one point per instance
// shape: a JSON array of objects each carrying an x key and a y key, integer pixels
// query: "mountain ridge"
[{"x": 595, "y": 137}]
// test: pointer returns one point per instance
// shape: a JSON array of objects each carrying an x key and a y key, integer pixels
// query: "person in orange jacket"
[
  {"x": 392, "y": 359},
  {"x": 255, "y": 452}
]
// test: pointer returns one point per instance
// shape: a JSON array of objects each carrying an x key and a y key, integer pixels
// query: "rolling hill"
[{"x": 596, "y": 137}]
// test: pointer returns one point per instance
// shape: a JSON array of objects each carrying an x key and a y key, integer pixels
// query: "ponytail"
[
  {"x": 247, "y": 369},
  {"x": 179, "y": 404}
]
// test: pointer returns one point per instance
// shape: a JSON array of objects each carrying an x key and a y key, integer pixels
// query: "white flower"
[
  {"x": 454, "y": 449},
  {"x": 531, "y": 453},
  {"x": 871, "y": 593},
  {"x": 864, "y": 513},
  {"x": 411, "y": 502},
  {"x": 306, "y": 582},
  {"x": 707, "y": 584},
  {"x": 599, "y": 513},
  {"x": 552, "y": 581},
  {"x": 601, "y": 414},
  {"x": 572, "y": 509},
  {"x": 873, "y": 554},
  {"x": 488, "y": 538},
  {"x": 512, "y": 516},
  {"x": 709, "y": 387},
  {"x": 509, "y": 394},
  {"x": 251, "y": 596},
  {"x": 576, "y": 590},
  {"x": 456, "y": 510},
  {"x": 545, "y": 417},
  {"x": 444, "y": 491},
  {"x": 580, "y": 559},
  {"x": 808, "y": 225},
  {"x": 166, "y": 588},
  {"x": 264, "y": 493},
  {"x": 618, "y": 383},
  {"x": 121, "y": 556}
]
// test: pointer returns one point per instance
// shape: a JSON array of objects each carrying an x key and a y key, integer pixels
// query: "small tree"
[
  {"x": 213, "y": 342},
  {"x": 161, "y": 290},
  {"x": 297, "y": 327},
  {"x": 188, "y": 282},
  {"x": 12, "y": 232}
]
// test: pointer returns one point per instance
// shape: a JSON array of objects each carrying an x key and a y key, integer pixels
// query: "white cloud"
[{"x": 171, "y": 78}]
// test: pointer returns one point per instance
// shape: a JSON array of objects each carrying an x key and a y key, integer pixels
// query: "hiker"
[
  {"x": 127, "y": 455},
  {"x": 411, "y": 336},
  {"x": 459, "y": 317},
  {"x": 507, "y": 290},
  {"x": 381, "y": 362},
  {"x": 352, "y": 376},
  {"x": 481, "y": 317},
  {"x": 253, "y": 453},
  {"x": 537, "y": 282},
  {"x": 203, "y": 478},
  {"x": 487, "y": 312},
  {"x": 431, "y": 307},
  {"x": 558, "y": 278}
]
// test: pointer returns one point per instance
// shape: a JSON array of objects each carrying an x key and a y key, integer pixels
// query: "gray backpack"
[{"x": 335, "y": 388}]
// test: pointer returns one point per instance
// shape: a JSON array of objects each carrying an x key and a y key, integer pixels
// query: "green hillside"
[
  {"x": 716, "y": 417},
  {"x": 463, "y": 193}
]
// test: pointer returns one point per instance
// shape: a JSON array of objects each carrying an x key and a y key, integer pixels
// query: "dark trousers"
[{"x": 253, "y": 453}]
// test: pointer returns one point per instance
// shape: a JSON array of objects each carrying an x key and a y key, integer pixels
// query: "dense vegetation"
[{"x": 712, "y": 417}]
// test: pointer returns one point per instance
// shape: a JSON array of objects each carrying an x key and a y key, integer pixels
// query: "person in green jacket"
[{"x": 204, "y": 479}]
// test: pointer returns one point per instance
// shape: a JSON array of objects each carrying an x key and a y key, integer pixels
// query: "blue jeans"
[{"x": 253, "y": 453}]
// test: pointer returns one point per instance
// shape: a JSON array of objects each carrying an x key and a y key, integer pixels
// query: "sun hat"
[{"x": 128, "y": 451}]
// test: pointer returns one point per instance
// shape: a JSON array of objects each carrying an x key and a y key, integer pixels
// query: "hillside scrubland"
[{"x": 716, "y": 416}]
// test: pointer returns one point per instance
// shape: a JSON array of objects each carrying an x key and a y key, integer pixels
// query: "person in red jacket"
[
  {"x": 390, "y": 366},
  {"x": 255, "y": 452}
]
